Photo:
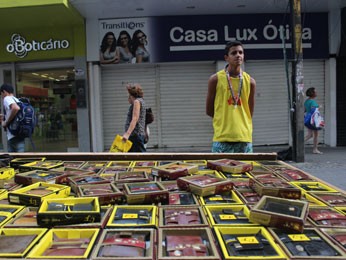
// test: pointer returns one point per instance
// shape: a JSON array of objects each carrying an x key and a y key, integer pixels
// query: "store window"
[{"x": 52, "y": 94}]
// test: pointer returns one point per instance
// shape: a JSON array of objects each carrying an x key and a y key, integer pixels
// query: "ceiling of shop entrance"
[
  {"x": 96, "y": 9},
  {"x": 43, "y": 75}
]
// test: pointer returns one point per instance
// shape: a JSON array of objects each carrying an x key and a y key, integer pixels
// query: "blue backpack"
[{"x": 23, "y": 124}]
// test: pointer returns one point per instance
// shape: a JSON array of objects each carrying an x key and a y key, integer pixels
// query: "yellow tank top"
[{"x": 232, "y": 123}]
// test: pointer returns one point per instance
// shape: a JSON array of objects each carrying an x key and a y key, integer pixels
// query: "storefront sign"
[
  {"x": 21, "y": 47},
  {"x": 191, "y": 38}
]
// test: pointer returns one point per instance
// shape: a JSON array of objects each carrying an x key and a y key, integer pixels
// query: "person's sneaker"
[{"x": 317, "y": 152}]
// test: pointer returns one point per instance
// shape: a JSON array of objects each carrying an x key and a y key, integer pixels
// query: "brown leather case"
[
  {"x": 182, "y": 217},
  {"x": 185, "y": 246}
]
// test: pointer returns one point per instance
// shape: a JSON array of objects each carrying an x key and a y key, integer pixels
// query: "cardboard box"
[
  {"x": 228, "y": 197},
  {"x": 30, "y": 177},
  {"x": 279, "y": 212},
  {"x": 229, "y": 166},
  {"x": 235, "y": 215},
  {"x": 175, "y": 170},
  {"x": 192, "y": 216},
  {"x": 17, "y": 242},
  {"x": 275, "y": 187},
  {"x": 313, "y": 186},
  {"x": 326, "y": 216},
  {"x": 68, "y": 211},
  {"x": 69, "y": 172},
  {"x": 16, "y": 162},
  {"x": 45, "y": 165},
  {"x": 311, "y": 244},
  {"x": 34, "y": 194},
  {"x": 204, "y": 185},
  {"x": 133, "y": 216},
  {"x": 65, "y": 243},
  {"x": 107, "y": 193},
  {"x": 126, "y": 244},
  {"x": 186, "y": 243},
  {"x": 337, "y": 236},
  {"x": 145, "y": 193},
  {"x": 249, "y": 242}
]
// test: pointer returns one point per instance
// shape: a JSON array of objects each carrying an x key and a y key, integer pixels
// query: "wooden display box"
[
  {"x": 25, "y": 218},
  {"x": 186, "y": 243},
  {"x": 68, "y": 211},
  {"x": 337, "y": 236},
  {"x": 16, "y": 162},
  {"x": 34, "y": 194},
  {"x": 45, "y": 165},
  {"x": 69, "y": 172},
  {"x": 333, "y": 199},
  {"x": 204, "y": 185},
  {"x": 73, "y": 164},
  {"x": 311, "y": 244},
  {"x": 313, "y": 186},
  {"x": 326, "y": 216},
  {"x": 4, "y": 218},
  {"x": 145, "y": 193},
  {"x": 291, "y": 174},
  {"x": 175, "y": 170},
  {"x": 234, "y": 215},
  {"x": 6, "y": 173},
  {"x": 275, "y": 187},
  {"x": 11, "y": 209},
  {"x": 248, "y": 196},
  {"x": 30, "y": 177},
  {"x": 280, "y": 213},
  {"x": 76, "y": 181},
  {"x": 192, "y": 216},
  {"x": 95, "y": 166},
  {"x": 229, "y": 166},
  {"x": 228, "y": 197},
  {"x": 181, "y": 199},
  {"x": 107, "y": 193},
  {"x": 143, "y": 164},
  {"x": 65, "y": 243},
  {"x": 202, "y": 164},
  {"x": 130, "y": 176},
  {"x": 133, "y": 216},
  {"x": 17, "y": 242},
  {"x": 245, "y": 237},
  {"x": 126, "y": 244}
]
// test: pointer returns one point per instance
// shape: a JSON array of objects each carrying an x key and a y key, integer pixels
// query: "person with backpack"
[{"x": 11, "y": 108}]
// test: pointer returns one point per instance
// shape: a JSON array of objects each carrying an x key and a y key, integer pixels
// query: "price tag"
[
  {"x": 227, "y": 217},
  {"x": 248, "y": 240},
  {"x": 298, "y": 237},
  {"x": 216, "y": 198},
  {"x": 130, "y": 215}
]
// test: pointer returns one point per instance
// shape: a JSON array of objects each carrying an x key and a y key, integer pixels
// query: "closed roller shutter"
[
  {"x": 114, "y": 97},
  {"x": 271, "y": 117},
  {"x": 314, "y": 76},
  {"x": 183, "y": 91}
]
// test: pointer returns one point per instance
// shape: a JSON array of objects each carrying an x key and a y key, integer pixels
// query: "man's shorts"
[{"x": 232, "y": 147}]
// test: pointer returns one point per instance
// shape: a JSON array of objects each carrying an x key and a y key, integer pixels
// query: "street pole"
[{"x": 297, "y": 83}]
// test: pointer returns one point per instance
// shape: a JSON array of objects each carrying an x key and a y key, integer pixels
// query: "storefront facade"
[
  {"x": 183, "y": 55},
  {"x": 43, "y": 56}
]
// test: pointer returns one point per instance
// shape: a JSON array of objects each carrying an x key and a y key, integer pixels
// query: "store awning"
[{"x": 16, "y": 14}]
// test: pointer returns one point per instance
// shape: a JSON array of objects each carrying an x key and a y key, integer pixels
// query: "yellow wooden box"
[
  {"x": 66, "y": 211},
  {"x": 229, "y": 213},
  {"x": 37, "y": 232},
  {"x": 130, "y": 219},
  {"x": 313, "y": 186},
  {"x": 40, "y": 165},
  {"x": 47, "y": 241},
  {"x": 6, "y": 173},
  {"x": 24, "y": 196},
  {"x": 219, "y": 199},
  {"x": 247, "y": 236}
]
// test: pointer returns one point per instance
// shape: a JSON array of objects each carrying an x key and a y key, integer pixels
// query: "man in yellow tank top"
[{"x": 230, "y": 102}]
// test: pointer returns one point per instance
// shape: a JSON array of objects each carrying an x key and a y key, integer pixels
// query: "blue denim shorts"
[{"x": 232, "y": 147}]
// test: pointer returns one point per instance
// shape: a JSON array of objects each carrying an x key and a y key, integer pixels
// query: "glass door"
[{"x": 52, "y": 94}]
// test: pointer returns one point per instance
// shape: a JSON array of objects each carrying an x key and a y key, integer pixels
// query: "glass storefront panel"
[{"x": 52, "y": 94}]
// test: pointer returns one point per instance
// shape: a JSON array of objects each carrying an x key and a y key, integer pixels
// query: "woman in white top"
[{"x": 108, "y": 49}]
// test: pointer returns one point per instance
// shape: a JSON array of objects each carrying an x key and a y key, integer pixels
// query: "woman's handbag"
[
  {"x": 314, "y": 120},
  {"x": 149, "y": 116}
]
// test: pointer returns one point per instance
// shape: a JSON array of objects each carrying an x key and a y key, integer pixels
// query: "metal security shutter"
[
  {"x": 314, "y": 76},
  {"x": 183, "y": 91},
  {"x": 114, "y": 97},
  {"x": 271, "y": 117}
]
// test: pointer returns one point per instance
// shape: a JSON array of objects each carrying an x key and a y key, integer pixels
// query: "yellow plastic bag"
[{"x": 119, "y": 146}]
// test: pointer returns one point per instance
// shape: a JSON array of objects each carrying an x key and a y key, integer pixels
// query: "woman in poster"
[
  {"x": 124, "y": 47},
  {"x": 108, "y": 49},
  {"x": 139, "y": 51}
]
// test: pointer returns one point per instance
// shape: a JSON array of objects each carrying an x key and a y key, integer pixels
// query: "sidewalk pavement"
[{"x": 329, "y": 166}]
